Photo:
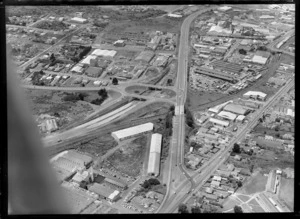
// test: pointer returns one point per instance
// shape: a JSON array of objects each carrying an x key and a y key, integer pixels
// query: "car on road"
[{"x": 59, "y": 140}]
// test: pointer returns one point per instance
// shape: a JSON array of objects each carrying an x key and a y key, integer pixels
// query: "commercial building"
[
  {"x": 224, "y": 8},
  {"x": 219, "y": 122},
  {"x": 255, "y": 94},
  {"x": 79, "y": 20},
  {"x": 154, "y": 156},
  {"x": 227, "y": 115},
  {"x": 132, "y": 131},
  {"x": 235, "y": 109}
]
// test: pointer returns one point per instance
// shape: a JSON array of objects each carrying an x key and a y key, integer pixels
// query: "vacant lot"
[
  {"x": 286, "y": 192},
  {"x": 230, "y": 203},
  {"x": 129, "y": 158},
  {"x": 98, "y": 146},
  {"x": 256, "y": 183},
  {"x": 198, "y": 99}
]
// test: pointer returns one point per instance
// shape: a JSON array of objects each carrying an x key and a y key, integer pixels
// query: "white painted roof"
[
  {"x": 101, "y": 52},
  {"x": 255, "y": 93},
  {"x": 113, "y": 195},
  {"x": 220, "y": 122},
  {"x": 240, "y": 117},
  {"x": 78, "y": 19},
  {"x": 153, "y": 163},
  {"x": 259, "y": 59},
  {"x": 133, "y": 130},
  {"x": 156, "y": 143},
  {"x": 217, "y": 108},
  {"x": 227, "y": 115},
  {"x": 88, "y": 58},
  {"x": 174, "y": 15}
]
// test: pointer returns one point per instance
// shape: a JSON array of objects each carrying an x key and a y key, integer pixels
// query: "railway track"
[{"x": 79, "y": 141}]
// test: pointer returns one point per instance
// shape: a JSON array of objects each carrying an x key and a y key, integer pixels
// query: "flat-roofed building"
[
  {"x": 255, "y": 94},
  {"x": 227, "y": 115},
  {"x": 235, "y": 109},
  {"x": 219, "y": 122},
  {"x": 240, "y": 118},
  {"x": 218, "y": 108},
  {"x": 132, "y": 131}
]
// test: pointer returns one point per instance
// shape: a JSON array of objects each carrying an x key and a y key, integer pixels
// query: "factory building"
[
  {"x": 235, "y": 109},
  {"x": 255, "y": 94},
  {"x": 218, "y": 108},
  {"x": 227, "y": 115},
  {"x": 104, "y": 192},
  {"x": 154, "y": 156},
  {"x": 219, "y": 122},
  {"x": 132, "y": 131}
]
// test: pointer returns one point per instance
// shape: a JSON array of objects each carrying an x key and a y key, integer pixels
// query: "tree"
[
  {"x": 115, "y": 81},
  {"x": 103, "y": 93},
  {"x": 239, "y": 183},
  {"x": 189, "y": 117},
  {"x": 236, "y": 148},
  {"x": 182, "y": 208},
  {"x": 251, "y": 168},
  {"x": 153, "y": 181},
  {"x": 169, "y": 81},
  {"x": 243, "y": 52},
  {"x": 196, "y": 210},
  {"x": 237, "y": 209}
]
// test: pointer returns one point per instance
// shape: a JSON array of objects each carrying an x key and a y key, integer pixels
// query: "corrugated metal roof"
[
  {"x": 155, "y": 143},
  {"x": 154, "y": 163},
  {"x": 133, "y": 130},
  {"x": 220, "y": 122},
  {"x": 227, "y": 115}
]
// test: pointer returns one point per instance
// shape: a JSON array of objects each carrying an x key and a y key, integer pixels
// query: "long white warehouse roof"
[
  {"x": 255, "y": 93},
  {"x": 227, "y": 115},
  {"x": 133, "y": 130},
  {"x": 155, "y": 143},
  {"x": 100, "y": 52},
  {"x": 220, "y": 122},
  {"x": 153, "y": 163}
]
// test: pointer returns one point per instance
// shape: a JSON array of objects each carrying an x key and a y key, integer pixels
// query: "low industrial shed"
[
  {"x": 233, "y": 108},
  {"x": 132, "y": 131},
  {"x": 227, "y": 115}
]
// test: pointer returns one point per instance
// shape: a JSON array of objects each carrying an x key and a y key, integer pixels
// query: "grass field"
[
  {"x": 286, "y": 192},
  {"x": 257, "y": 183},
  {"x": 230, "y": 203},
  {"x": 256, "y": 208},
  {"x": 244, "y": 198}
]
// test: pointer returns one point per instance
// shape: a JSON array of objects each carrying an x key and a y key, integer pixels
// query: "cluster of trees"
[
  {"x": 189, "y": 117},
  {"x": 236, "y": 148},
  {"x": 102, "y": 94},
  {"x": 238, "y": 209},
  {"x": 74, "y": 97},
  {"x": 169, "y": 117},
  {"x": 36, "y": 78},
  {"x": 115, "y": 81},
  {"x": 147, "y": 184}
]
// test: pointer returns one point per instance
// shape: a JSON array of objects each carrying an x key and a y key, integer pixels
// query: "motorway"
[
  {"x": 175, "y": 196},
  {"x": 175, "y": 167}
]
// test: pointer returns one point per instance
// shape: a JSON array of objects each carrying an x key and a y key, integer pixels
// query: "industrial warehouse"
[
  {"x": 132, "y": 131},
  {"x": 154, "y": 156}
]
